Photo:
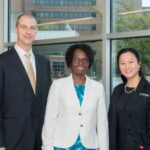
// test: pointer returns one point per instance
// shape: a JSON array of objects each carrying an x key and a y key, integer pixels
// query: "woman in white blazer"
[{"x": 76, "y": 116}]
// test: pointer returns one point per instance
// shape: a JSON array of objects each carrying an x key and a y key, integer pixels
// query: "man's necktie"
[{"x": 30, "y": 72}]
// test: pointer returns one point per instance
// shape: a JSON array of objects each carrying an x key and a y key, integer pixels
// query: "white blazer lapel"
[
  {"x": 87, "y": 92},
  {"x": 72, "y": 93}
]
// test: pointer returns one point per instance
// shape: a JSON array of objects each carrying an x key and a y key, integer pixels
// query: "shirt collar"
[{"x": 21, "y": 52}]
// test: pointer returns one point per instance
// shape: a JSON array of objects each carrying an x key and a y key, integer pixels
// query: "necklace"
[{"x": 128, "y": 92}]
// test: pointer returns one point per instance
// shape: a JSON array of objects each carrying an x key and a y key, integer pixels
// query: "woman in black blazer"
[{"x": 129, "y": 111}]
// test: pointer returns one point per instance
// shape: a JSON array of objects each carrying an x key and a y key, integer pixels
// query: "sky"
[{"x": 146, "y": 3}]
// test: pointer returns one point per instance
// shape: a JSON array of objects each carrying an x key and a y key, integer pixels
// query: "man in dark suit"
[{"x": 22, "y": 99}]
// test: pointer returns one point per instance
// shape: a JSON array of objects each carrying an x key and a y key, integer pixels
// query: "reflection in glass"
[
  {"x": 59, "y": 18},
  {"x": 130, "y": 15}
]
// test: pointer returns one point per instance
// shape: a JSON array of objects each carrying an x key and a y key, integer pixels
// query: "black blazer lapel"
[
  {"x": 19, "y": 67},
  {"x": 38, "y": 73}
]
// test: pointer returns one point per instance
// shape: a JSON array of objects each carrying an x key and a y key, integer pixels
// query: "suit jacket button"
[{"x": 80, "y": 114}]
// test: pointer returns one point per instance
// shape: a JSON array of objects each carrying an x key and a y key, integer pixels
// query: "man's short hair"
[{"x": 23, "y": 14}]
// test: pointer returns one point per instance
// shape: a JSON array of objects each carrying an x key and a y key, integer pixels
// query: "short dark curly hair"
[{"x": 83, "y": 47}]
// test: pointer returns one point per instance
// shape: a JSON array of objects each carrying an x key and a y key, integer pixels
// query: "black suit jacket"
[
  {"x": 22, "y": 111},
  {"x": 138, "y": 112}
]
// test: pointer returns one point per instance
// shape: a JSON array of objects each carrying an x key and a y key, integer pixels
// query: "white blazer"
[{"x": 65, "y": 119}]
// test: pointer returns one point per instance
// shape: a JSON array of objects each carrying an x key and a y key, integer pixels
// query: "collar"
[
  {"x": 143, "y": 82},
  {"x": 86, "y": 82},
  {"x": 21, "y": 52}
]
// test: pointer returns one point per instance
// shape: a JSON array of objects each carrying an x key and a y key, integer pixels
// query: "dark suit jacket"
[
  {"x": 138, "y": 125},
  {"x": 22, "y": 111}
]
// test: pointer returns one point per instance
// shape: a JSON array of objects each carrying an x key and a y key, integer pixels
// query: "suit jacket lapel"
[
  {"x": 87, "y": 92},
  {"x": 38, "y": 74},
  {"x": 136, "y": 97},
  {"x": 72, "y": 93},
  {"x": 20, "y": 68}
]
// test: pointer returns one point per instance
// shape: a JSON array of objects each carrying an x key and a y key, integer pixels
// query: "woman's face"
[
  {"x": 80, "y": 63},
  {"x": 128, "y": 65}
]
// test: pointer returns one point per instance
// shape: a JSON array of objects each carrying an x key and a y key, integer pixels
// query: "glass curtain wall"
[
  {"x": 62, "y": 20},
  {"x": 129, "y": 16}
]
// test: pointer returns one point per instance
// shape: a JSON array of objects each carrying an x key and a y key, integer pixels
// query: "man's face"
[{"x": 26, "y": 31}]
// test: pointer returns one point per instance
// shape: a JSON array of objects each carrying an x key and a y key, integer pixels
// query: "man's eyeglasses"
[{"x": 77, "y": 60}]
